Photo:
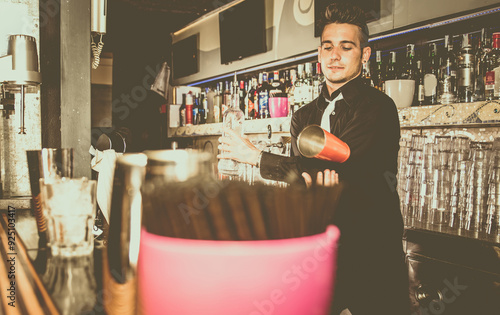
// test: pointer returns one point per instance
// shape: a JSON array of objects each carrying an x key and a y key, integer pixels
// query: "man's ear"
[{"x": 367, "y": 51}]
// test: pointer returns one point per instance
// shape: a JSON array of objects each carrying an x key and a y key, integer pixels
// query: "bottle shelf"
[
  {"x": 257, "y": 126},
  {"x": 477, "y": 114}
]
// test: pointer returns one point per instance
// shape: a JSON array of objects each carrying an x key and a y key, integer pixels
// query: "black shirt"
[
  {"x": 368, "y": 214},
  {"x": 367, "y": 120}
]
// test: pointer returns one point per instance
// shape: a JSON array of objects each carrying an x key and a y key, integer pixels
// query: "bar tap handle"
[{"x": 22, "y": 129}]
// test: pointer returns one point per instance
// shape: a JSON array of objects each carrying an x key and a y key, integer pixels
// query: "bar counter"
[{"x": 32, "y": 282}]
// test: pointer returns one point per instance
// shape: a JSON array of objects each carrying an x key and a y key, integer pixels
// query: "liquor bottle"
[
  {"x": 298, "y": 90},
  {"x": 308, "y": 86},
  {"x": 204, "y": 105},
  {"x": 217, "y": 103},
  {"x": 392, "y": 68},
  {"x": 447, "y": 74},
  {"x": 378, "y": 71},
  {"x": 226, "y": 100},
  {"x": 196, "y": 107},
  {"x": 492, "y": 63},
  {"x": 431, "y": 75},
  {"x": 253, "y": 100},
  {"x": 290, "y": 91},
  {"x": 317, "y": 81},
  {"x": 483, "y": 47},
  {"x": 466, "y": 71},
  {"x": 189, "y": 109},
  {"x": 233, "y": 119},
  {"x": 263, "y": 95},
  {"x": 419, "y": 97},
  {"x": 201, "y": 109},
  {"x": 409, "y": 66},
  {"x": 210, "y": 105},
  {"x": 366, "y": 74},
  {"x": 242, "y": 93},
  {"x": 278, "y": 100},
  {"x": 182, "y": 111}
]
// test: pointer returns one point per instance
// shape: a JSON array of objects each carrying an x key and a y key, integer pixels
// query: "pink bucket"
[
  {"x": 279, "y": 277},
  {"x": 278, "y": 107}
]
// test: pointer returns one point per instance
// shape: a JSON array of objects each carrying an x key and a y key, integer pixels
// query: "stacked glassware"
[
  {"x": 412, "y": 179},
  {"x": 451, "y": 184},
  {"x": 460, "y": 164}
]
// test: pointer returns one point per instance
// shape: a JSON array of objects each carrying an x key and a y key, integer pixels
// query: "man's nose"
[{"x": 335, "y": 53}]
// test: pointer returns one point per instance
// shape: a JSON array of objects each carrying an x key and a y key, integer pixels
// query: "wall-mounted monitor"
[
  {"x": 185, "y": 57},
  {"x": 371, "y": 8},
  {"x": 242, "y": 30}
]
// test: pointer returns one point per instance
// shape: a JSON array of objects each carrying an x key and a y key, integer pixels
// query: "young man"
[{"x": 371, "y": 275}]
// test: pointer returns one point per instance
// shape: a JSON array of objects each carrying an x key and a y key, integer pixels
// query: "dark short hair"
[{"x": 345, "y": 12}]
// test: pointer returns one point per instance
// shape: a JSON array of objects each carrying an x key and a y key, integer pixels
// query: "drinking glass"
[
  {"x": 69, "y": 206},
  {"x": 476, "y": 204}
]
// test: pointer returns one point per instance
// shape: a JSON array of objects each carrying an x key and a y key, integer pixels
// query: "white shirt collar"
[{"x": 329, "y": 110}]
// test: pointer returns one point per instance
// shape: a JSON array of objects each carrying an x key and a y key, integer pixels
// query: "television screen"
[
  {"x": 185, "y": 56},
  {"x": 242, "y": 30},
  {"x": 371, "y": 8}
]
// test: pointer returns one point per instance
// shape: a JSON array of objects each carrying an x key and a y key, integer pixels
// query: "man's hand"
[
  {"x": 329, "y": 179},
  {"x": 235, "y": 147}
]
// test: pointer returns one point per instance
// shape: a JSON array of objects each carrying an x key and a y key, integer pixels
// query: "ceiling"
[{"x": 196, "y": 8}]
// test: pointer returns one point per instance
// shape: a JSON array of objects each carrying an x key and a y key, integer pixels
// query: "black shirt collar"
[{"x": 350, "y": 91}]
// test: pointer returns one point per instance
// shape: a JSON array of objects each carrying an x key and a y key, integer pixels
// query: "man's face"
[{"x": 340, "y": 54}]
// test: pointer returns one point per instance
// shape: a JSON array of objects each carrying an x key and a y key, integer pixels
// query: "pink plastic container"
[
  {"x": 278, "y": 107},
  {"x": 279, "y": 277}
]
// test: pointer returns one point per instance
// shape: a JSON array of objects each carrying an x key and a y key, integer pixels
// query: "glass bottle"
[
  {"x": 290, "y": 90},
  {"x": 317, "y": 81},
  {"x": 366, "y": 74},
  {"x": 482, "y": 48},
  {"x": 379, "y": 72},
  {"x": 419, "y": 97},
  {"x": 466, "y": 71},
  {"x": 492, "y": 63},
  {"x": 448, "y": 74},
  {"x": 298, "y": 89},
  {"x": 308, "y": 84},
  {"x": 233, "y": 119},
  {"x": 189, "y": 109},
  {"x": 431, "y": 76},
  {"x": 182, "y": 111},
  {"x": 217, "y": 103},
  {"x": 242, "y": 93},
  {"x": 210, "y": 105},
  {"x": 392, "y": 71},
  {"x": 408, "y": 69},
  {"x": 263, "y": 96},
  {"x": 252, "y": 100}
]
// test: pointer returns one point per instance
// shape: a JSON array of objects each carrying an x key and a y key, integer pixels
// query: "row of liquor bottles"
[
  {"x": 271, "y": 95},
  {"x": 460, "y": 68},
  {"x": 467, "y": 72}
]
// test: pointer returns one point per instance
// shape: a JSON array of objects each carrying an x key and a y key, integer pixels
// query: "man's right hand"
[
  {"x": 330, "y": 178},
  {"x": 235, "y": 147}
]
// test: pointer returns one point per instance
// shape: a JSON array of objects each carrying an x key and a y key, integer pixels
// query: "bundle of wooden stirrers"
[{"x": 230, "y": 210}]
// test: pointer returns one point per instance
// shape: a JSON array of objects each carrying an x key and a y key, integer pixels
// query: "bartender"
[{"x": 372, "y": 276}]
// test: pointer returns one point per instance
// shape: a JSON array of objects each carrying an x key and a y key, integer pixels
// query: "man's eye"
[
  {"x": 327, "y": 48},
  {"x": 346, "y": 48}
]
